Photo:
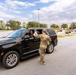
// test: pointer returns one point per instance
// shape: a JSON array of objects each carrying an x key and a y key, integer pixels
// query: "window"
[
  {"x": 31, "y": 31},
  {"x": 39, "y": 31},
  {"x": 51, "y": 31},
  {"x": 16, "y": 34}
]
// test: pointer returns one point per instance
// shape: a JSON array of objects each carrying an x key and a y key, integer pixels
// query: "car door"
[
  {"x": 27, "y": 44},
  {"x": 37, "y": 40}
]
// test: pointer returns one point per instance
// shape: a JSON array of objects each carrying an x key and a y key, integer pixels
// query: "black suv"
[{"x": 19, "y": 45}]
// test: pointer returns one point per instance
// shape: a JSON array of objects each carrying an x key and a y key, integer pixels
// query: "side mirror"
[{"x": 26, "y": 37}]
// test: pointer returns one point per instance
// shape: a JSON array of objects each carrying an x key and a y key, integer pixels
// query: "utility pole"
[{"x": 38, "y": 18}]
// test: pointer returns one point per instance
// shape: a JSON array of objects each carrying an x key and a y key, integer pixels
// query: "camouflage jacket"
[{"x": 44, "y": 40}]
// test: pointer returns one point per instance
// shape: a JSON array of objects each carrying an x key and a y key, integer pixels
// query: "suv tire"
[
  {"x": 50, "y": 48},
  {"x": 10, "y": 59}
]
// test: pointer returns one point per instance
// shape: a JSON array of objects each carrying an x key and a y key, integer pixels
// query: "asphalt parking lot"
[
  {"x": 61, "y": 62},
  {"x": 5, "y": 33}
]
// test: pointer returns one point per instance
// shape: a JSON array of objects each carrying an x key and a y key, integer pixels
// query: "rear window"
[{"x": 51, "y": 31}]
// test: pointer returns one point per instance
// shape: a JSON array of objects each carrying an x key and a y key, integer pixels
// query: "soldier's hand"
[{"x": 35, "y": 33}]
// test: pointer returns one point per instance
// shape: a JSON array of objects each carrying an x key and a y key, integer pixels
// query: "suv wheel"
[
  {"x": 10, "y": 59},
  {"x": 50, "y": 48}
]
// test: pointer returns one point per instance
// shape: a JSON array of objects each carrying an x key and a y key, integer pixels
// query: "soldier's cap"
[{"x": 44, "y": 30}]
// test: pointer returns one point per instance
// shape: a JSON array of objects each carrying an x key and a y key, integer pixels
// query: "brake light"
[{"x": 2, "y": 53}]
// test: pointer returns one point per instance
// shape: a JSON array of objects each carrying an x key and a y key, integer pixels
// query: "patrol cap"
[{"x": 44, "y": 30}]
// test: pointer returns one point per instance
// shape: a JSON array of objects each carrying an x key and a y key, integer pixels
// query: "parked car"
[
  {"x": 19, "y": 45},
  {"x": 67, "y": 32}
]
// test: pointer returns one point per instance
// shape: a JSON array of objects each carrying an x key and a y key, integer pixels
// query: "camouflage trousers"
[{"x": 42, "y": 54}]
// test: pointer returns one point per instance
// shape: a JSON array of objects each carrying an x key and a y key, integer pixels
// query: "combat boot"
[{"x": 42, "y": 62}]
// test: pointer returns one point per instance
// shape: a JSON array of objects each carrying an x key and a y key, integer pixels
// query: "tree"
[
  {"x": 24, "y": 25},
  {"x": 13, "y": 24},
  {"x": 73, "y": 25},
  {"x": 43, "y": 25},
  {"x": 64, "y": 26},
  {"x": 2, "y": 25},
  {"x": 32, "y": 24},
  {"x": 54, "y": 26},
  {"x": 36, "y": 24}
]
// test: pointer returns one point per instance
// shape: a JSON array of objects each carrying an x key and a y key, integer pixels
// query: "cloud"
[
  {"x": 2, "y": 14},
  {"x": 21, "y": 19},
  {"x": 45, "y": 1},
  {"x": 15, "y": 11},
  {"x": 3, "y": 7},
  {"x": 15, "y": 3},
  {"x": 25, "y": 4},
  {"x": 59, "y": 12},
  {"x": 1, "y": 18}
]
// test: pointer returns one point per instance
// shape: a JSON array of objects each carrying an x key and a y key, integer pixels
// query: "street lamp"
[
  {"x": 38, "y": 18},
  {"x": 72, "y": 21}
]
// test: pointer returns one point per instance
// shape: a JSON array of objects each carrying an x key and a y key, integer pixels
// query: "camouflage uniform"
[{"x": 44, "y": 40}]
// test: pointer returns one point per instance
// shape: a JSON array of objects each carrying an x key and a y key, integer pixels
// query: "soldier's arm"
[{"x": 36, "y": 35}]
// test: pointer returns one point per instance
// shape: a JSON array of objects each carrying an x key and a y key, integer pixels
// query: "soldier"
[{"x": 44, "y": 41}]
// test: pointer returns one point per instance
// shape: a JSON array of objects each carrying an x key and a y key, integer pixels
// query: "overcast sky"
[{"x": 51, "y": 11}]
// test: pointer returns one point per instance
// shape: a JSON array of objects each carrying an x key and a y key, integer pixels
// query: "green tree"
[
  {"x": 36, "y": 24},
  {"x": 54, "y": 26},
  {"x": 24, "y": 25},
  {"x": 64, "y": 26},
  {"x": 2, "y": 25},
  {"x": 43, "y": 25},
  {"x": 73, "y": 25},
  {"x": 32, "y": 24},
  {"x": 13, "y": 24}
]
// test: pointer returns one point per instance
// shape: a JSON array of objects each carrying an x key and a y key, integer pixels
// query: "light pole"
[
  {"x": 72, "y": 22},
  {"x": 38, "y": 18}
]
